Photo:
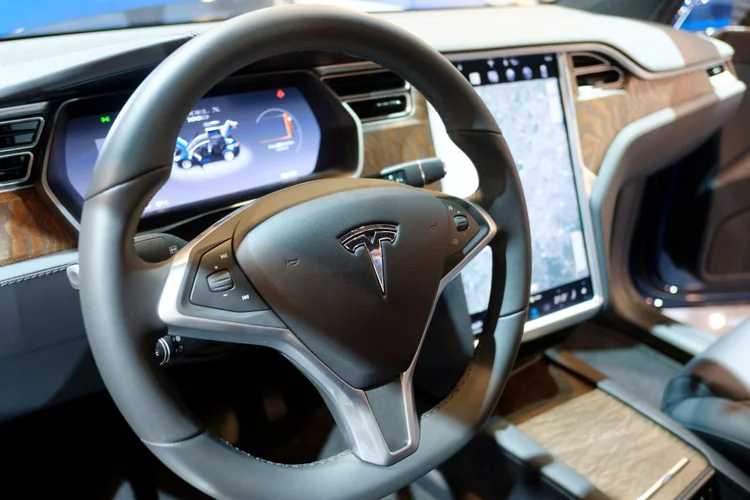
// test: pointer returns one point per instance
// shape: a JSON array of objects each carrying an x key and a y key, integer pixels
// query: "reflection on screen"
[{"x": 523, "y": 94}]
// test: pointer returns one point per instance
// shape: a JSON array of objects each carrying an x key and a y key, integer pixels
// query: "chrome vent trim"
[
  {"x": 26, "y": 157},
  {"x": 22, "y": 124},
  {"x": 373, "y": 95},
  {"x": 591, "y": 69},
  {"x": 716, "y": 70},
  {"x": 21, "y": 128}
]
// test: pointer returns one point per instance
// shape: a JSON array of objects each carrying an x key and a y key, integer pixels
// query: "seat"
[{"x": 711, "y": 396}]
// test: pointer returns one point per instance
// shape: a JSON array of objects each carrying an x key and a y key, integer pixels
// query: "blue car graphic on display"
[{"x": 213, "y": 144}]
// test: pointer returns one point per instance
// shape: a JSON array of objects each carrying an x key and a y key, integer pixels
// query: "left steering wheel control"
[{"x": 221, "y": 284}]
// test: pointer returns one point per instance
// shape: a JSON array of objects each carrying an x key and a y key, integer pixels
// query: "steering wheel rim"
[{"x": 119, "y": 292}]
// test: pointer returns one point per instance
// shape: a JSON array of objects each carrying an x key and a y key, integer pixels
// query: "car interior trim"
[
  {"x": 4, "y": 186},
  {"x": 27, "y": 216},
  {"x": 525, "y": 449},
  {"x": 23, "y": 110},
  {"x": 508, "y": 25},
  {"x": 717, "y": 462},
  {"x": 37, "y": 267},
  {"x": 596, "y": 47},
  {"x": 611, "y": 179},
  {"x": 37, "y": 134}
]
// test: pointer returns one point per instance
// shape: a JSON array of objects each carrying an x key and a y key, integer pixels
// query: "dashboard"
[
  {"x": 572, "y": 105},
  {"x": 236, "y": 145}
]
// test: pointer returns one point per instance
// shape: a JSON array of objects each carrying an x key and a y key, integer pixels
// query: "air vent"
[
  {"x": 374, "y": 95},
  {"x": 716, "y": 70},
  {"x": 15, "y": 168},
  {"x": 595, "y": 70},
  {"x": 19, "y": 134},
  {"x": 364, "y": 83}
]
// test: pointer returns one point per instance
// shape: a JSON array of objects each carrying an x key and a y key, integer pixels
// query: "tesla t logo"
[{"x": 371, "y": 237}]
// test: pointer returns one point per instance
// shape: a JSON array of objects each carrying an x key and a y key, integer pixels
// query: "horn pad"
[{"x": 354, "y": 274}]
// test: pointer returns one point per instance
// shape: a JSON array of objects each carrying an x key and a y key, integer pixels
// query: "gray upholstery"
[{"x": 711, "y": 396}]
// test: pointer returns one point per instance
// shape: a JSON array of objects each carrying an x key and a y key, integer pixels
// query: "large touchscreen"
[
  {"x": 228, "y": 144},
  {"x": 523, "y": 94}
]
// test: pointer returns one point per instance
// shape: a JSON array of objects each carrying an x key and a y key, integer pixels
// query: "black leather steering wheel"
[{"x": 341, "y": 276}]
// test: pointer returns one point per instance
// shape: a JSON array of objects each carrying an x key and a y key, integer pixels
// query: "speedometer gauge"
[{"x": 281, "y": 131}]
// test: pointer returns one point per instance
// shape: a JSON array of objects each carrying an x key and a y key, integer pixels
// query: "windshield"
[{"x": 47, "y": 17}]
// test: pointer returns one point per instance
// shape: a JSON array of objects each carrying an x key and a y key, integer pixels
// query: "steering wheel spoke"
[
  {"x": 207, "y": 296},
  {"x": 380, "y": 424}
]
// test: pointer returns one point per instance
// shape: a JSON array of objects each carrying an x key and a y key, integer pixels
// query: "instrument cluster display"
[{"x": 228, "y": 144}]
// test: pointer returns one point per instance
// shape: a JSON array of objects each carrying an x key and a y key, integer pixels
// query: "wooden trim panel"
[
  {"x": 536, "y": 389},
  {"x": 28, "y": 228},
  {"x": 601, "y": 119},
  {"x": 617, "y": 449},
  {"x": 398, "y": 142}
]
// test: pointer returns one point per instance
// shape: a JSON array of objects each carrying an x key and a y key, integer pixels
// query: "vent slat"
[
  {"x": 373, "y": 95},
  {"x": 583, "y": 60},
  {"x": 596, "y": 70},
  {"x": 383, "y": 107},
  {"x": 599, "y": 79},
  {"x": 357, "y": 84},
  {"x": 14, "y": 168},
  {"x": 716, "y": 70},
  {"x": 19, "y": 134}
]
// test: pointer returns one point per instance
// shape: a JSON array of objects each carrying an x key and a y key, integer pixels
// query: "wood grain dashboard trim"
[
  {"x": 28, "y": 228},
  {"x": 399, "y": 141},
  {"x": 600, "y": 119}
]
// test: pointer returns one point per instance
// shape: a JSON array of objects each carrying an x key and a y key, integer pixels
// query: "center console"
[{"x": 597, "y": 444}]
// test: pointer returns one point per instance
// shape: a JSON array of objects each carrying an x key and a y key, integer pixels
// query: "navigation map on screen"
[{"x": 523, "y": 94}]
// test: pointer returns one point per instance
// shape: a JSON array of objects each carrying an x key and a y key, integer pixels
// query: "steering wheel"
[{"x": 341, "y": 276}]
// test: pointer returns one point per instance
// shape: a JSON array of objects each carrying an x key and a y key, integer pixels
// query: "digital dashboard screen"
[
  {"x": 228, "y": 144},
  {"x": 523, "y": 94}
]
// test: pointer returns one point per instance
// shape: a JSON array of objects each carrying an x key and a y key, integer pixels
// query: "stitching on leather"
[
  {"x": 31, "y": 276},
  {"x": 459, "y": 385},
  {"x": 291, "y": 466}
]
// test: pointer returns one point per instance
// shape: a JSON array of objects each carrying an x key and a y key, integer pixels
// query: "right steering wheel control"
[
  {"x": 461, "y": 223},
  {"x": 464, "y": 227}
]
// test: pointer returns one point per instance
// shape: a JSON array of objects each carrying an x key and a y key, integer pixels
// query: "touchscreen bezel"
[
  {"x": 340, "y": 155},
  {"x": 581, "y": 311}
]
